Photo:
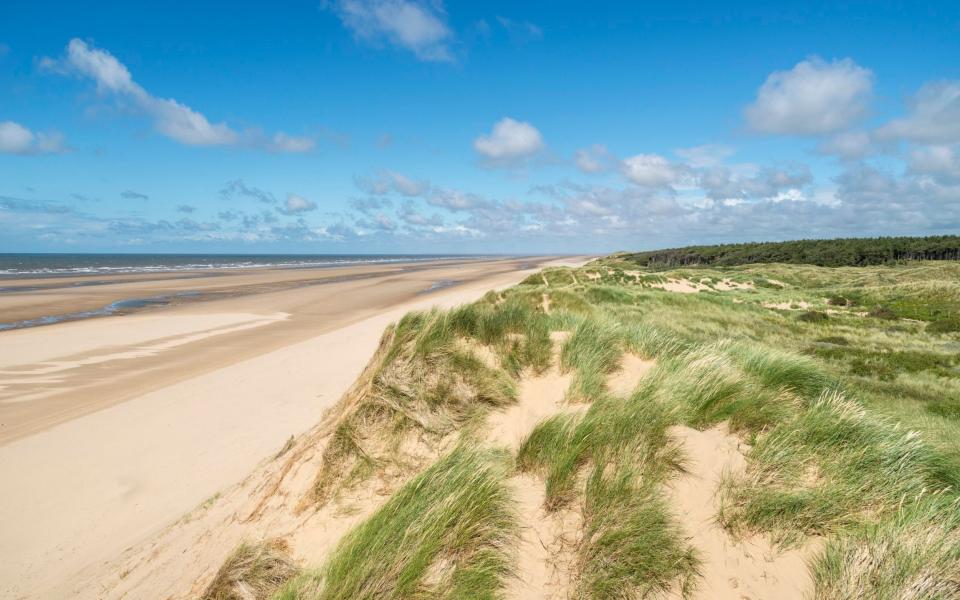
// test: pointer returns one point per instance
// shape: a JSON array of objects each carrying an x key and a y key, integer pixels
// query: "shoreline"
[
  {"x": 21, "y": 300},
  {"x": 274, "y": 362}
]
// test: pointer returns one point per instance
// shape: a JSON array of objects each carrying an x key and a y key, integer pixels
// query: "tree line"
[{"x": 827, "y": 253}]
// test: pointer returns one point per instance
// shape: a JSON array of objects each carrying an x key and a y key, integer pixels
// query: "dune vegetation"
[{"x": 840, "y": 386}]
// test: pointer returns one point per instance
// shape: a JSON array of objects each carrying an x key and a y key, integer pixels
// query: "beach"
[{"x": 112, "y": 427}]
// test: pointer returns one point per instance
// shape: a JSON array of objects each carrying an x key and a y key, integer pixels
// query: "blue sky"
[{"x": 405, "y": 126}]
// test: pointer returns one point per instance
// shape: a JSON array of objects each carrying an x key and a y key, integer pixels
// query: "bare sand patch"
[
  {"x": 680, "y": 286},
  {"x": 732, "y": 569},
  {"x": 539, "y": 397},
  {"x": 726, "y": 285},
  {"x": 547, "y": 540},
  {"x": 632, "y": 369},
  {"x": 789, "y": 305}
]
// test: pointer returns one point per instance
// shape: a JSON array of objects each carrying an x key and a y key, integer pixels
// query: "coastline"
[{"x": 152, "y": 445}]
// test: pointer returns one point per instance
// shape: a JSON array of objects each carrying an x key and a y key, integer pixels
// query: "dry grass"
[{"x": 252, "y": 572}]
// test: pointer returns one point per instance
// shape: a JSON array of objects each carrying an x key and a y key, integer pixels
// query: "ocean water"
[{"x": 47, "y": 265}]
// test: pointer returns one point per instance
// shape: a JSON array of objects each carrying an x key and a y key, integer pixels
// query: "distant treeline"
[{"x": 827, "y": 253}]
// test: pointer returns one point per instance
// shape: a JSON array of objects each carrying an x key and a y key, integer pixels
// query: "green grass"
[
  {"x": 448, "y": 533},
  {"x": 592, "y": 352},
  {"x": 612, "y": 460},
  {"x": 912, "y": 555},
  {"x": 427, "y": 385}
]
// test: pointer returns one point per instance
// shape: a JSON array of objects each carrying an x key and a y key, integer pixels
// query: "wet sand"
[
  {"x": 54, "y": 373},
  {"x": 113, "y": 427}
]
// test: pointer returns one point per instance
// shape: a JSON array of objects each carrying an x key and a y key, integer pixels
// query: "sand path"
[{"x": 748, "y": 569}]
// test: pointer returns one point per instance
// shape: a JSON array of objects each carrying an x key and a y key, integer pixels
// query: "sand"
[
  {"x": 113, "y": 428},
  {"x": 680, "y": 286},
  {"x": 545, "y": 550},
  {"x": 624, "y": 380},
  {"x": 538, "y": 397},
  {"x": 732, "y": 569}
]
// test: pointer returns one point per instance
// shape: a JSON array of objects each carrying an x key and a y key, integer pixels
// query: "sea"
[{"x": 51, "y": 265}]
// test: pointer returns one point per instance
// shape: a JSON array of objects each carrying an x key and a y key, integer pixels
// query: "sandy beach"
[{"x": 113, "y": 427}]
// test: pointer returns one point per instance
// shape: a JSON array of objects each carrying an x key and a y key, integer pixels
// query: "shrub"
[
  {"x": 944, "y": 325},
  {"x": 813, "y": 316},
  {"x": 882, "y": 312},
  {"x": 836, "y": 340},
  {"x": 837, "y": 301}
]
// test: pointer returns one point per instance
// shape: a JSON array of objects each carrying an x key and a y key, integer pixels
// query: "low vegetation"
[
  {"x": 842, "y": 383},
  {"x": 252, "y": 572},
  {"x": 448, "y": 533}
]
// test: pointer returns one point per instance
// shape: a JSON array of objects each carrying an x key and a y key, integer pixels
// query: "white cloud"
[
  {"x": 282, "y": 142},
  {"x": 416, "y": 26},
  {"x": 815, "y": 97},
  {"x": 378, "y": 222},
  {"x": 520, "y": 31},
  {"x": 650, "y": 170},
  {"x": 719, "y": 183},
  {"x": 455, "y": 200},
  {"x": 386, "y": 182},
  {"x": 706, "y": 155},
  {"x": 170, "y": 118},
  {"x": 296, "y": 205},
  {"x": 848, "y": 144},
  {"x": 17, "y": 139},
  {"x": 185, "y": 125},
  {"x": 934, "y": 116},
  {"x": 594, "y": 159},
  {"x": 939, "y": 161},
  {"x": 510, "y": 140}
]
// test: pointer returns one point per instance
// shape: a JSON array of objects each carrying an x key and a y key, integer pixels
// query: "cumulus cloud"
[
  {"x": 378, "y": 222},
  {"x": 456, "y": 200},
  {"x": 409, "y": 214},
  {"x": 814, "y": 97},
  {"x": 367, "y": 205},
  {"x": 719, "y": 183},
  {"x": 594, "y": 159},
  {"x": 296, "y": 205},
  {"x": 281, "y": 142},
  {"x": 651, "y": 170},
  {"x": 509, "y": 141},
  {"x": 17, "y": 139},
  {"x": 942, "y": 162},
  {"x": 416, "y": 26},
  {"x": 171, "y": 118},
  {"x": 848, "y": 145},
  {"x": 706, "y": 155},
  {"x": 934, "y": 116},
  {"x": 186, "y": 208},
  {"x": 237, "y": 188},
  {"x": 386, "y": 182},
  {"x": 132, "y": 195}
]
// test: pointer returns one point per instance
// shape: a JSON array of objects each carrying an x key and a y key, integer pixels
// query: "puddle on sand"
[
  {"x": 114, "y": 308},
  {"x": 441, "y": 284}
]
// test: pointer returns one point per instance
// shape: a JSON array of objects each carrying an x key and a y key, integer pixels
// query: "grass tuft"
[
  {"x": 252, "y": 572},
  {"x": 448, "y": 533}
]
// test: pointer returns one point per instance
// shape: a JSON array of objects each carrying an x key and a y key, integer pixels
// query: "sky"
[{"x": 382, "y": 126}]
